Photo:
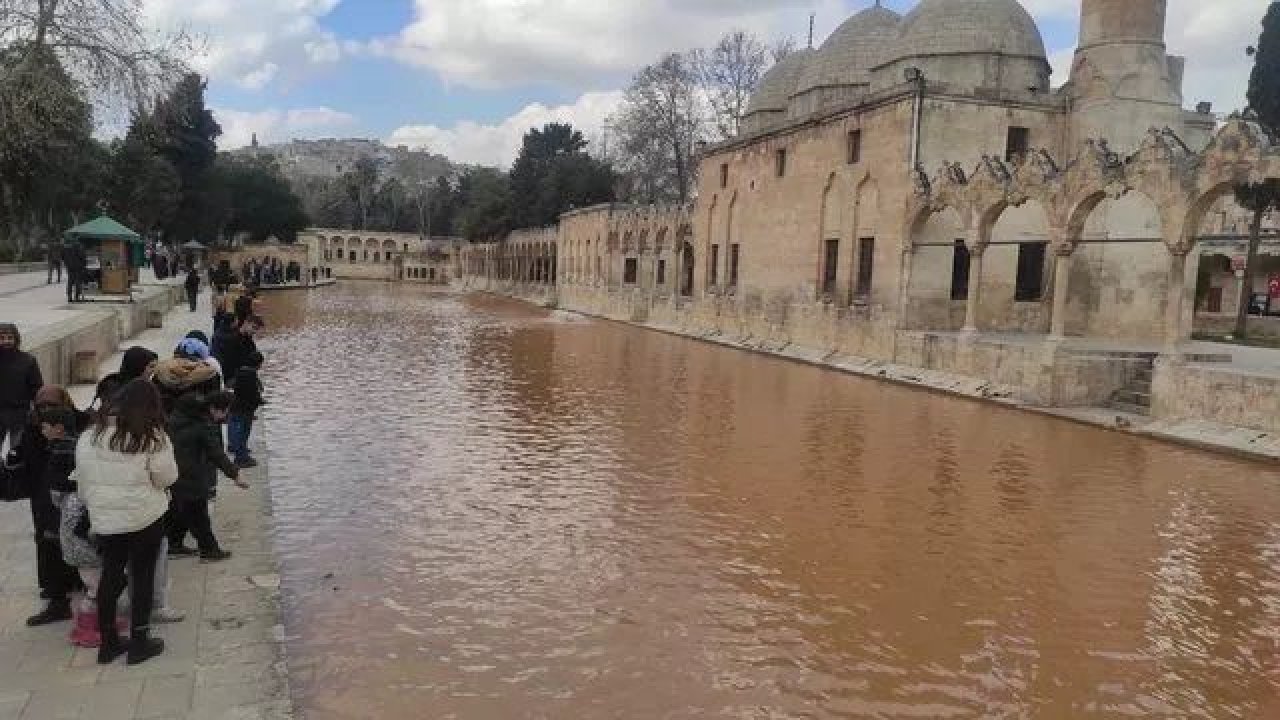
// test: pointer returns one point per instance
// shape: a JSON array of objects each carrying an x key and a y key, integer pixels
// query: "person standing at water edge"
[
  {"x": 20, "y": 380},
  {"x": 195, "y": 431},
  {"x": 248, "y": 389},
  {"x": 193, "y": 287},
  {"x": 124, "y": 468}
]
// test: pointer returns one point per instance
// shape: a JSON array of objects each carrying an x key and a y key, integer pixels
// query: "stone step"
[
  {"x": 1130, "y": 396},
  {"x": 1131, "y": 409}
]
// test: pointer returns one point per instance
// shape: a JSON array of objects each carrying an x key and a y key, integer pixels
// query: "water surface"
[{"x": 489, "y": 511}]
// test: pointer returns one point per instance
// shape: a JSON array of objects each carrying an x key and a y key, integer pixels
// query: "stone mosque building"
[{"x": 914, "y": 192}]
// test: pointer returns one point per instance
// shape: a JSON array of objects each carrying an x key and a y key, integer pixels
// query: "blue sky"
[{"x": 466, "y": 77}]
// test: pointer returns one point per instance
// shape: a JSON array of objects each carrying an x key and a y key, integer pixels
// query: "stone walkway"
[{"x": 225, "y": 662}]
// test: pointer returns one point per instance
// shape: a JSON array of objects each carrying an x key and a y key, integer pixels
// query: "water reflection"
[{"x": 491, "y": 511}]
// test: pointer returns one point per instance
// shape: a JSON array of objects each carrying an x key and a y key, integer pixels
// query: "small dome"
[
  {"x": 777, "y": 85},
  {"x": 846, "y": 58},
  {"x": 958, "y": 27}
]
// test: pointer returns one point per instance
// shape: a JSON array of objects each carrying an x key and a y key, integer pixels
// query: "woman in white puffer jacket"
[{"x": 124, "y": 467}]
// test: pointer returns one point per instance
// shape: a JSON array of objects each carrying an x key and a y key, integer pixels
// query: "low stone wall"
[
  {"x": 1216, "y": 393},
  {"x": 1259, "y": 327},
  {"x": 98, "y": 331},
  {"x": 18, "y": 268}
]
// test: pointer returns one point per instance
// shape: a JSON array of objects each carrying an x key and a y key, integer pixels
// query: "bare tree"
[
  {"x": 782, "y": 48},
  {"x": 660, "y": 123},
  {"x": 730, "y": 73},
  {"x": 104, "y": 44}
]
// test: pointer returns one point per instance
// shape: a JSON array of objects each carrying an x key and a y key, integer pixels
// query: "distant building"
[{"x": 330, "y": 158}]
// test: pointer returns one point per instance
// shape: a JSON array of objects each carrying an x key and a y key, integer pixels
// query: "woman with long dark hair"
[{"x": 124, "y": 468}]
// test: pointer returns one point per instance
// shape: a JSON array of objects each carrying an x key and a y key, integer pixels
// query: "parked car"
[{"x": 1259, "y": 304}]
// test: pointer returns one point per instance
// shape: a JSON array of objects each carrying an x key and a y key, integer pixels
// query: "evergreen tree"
[
  {"x": 484, "y": 212},
  {"x": 186, "y": 135},
  {"x": 143, "y": 188},
  {"x": 1264, "y": 108},
  {"x": 553, "y": 173}
]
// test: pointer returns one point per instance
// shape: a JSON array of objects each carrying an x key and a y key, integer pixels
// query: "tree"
[
  {"x": 45, "y": 131},
  {"x": 553, "y": 173},
  {"x": 730, "y": 73},
  {"x": 185, "y": 134},
  {"x": 484, "y": 213},
  {"x": 104, "y": 44},
  {"x": 660, "y": 122},
  {"x": 260, "y": 202},
  {"x": 1264, "y": 106},
  {"x": 361, "y": 183},
  {"x": 143, "y": 188}
]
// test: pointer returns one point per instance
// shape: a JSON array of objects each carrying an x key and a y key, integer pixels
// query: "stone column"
[
  {"x": 974, "y": 303},
  {"x": 904, "y": 287},
  {"x": 1062, "y": 252},
  {"x": 1176, "y": 330}
]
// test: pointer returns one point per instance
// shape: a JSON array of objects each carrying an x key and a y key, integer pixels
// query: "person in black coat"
[
  {"x": 197, "y": 446},
  {"x": 235, "y": 348},
  {"x": 248, "y": 390},
  {"x": 20, "y": 380},
  {"x": 192, "y": 285},
  {"x": 77, "y": 263},
  {"x": 40, "y": 461}
]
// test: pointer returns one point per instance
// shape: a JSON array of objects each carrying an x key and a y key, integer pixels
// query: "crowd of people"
[
  {"x": 116, "y": 488},
  {"x": 271, "y": 271}
]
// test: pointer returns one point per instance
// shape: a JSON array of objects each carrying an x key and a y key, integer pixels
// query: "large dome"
[
  {"x": 779, "y": 84},
  {"x": 846, "y": 58},
  {"x": 959, "y": 27}
]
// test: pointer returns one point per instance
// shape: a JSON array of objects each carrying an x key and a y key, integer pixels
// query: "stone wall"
[
  {"x": 98, "y": 332},
  {"x": 1217, "y": 394}
]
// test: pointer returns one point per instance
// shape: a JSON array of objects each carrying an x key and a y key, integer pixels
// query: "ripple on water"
[{"x": 494, "y": 511}]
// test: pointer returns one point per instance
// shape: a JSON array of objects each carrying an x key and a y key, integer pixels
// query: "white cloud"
[
  {"x": 497, "y": 144},
  {"x": 252, "y": 43},
  {"x": 275, "y": 125},
  {"x": 576, "y": 43}
]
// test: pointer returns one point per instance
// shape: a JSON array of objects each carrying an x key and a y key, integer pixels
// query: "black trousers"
[
  {"x": 137, "y": 551},
  {"x": 56, "y": 578},
  {"x": 190, "y": 515},
  {"x": 192, "y": 297},
  {"x": 75, "y": 285}
]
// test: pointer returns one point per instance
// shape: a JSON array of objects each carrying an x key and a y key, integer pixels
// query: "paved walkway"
[{"x": 225, "y": 662}]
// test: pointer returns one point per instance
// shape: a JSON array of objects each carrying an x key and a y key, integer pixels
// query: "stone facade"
[
  {"x": 360, "y": 255},
  {"x": 1049, "y": 251}
]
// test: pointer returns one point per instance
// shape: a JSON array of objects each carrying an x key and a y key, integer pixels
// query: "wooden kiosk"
[{"x": 119, "y": 253}]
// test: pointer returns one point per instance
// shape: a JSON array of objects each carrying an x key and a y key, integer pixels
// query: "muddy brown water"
[{"x": 487, "y": 511}]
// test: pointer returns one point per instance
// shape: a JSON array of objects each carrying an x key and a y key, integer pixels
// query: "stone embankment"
[
  {"x": 1195, "y": 427},
  {"x": 226, "y": 661}
]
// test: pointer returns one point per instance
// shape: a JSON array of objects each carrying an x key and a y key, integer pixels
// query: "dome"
[
  {"x": 846, "y": 58},
  {"x": 777, "y": 85},
  {"x": 959, "y": 27}
]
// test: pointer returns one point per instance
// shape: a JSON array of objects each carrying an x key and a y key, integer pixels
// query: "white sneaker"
[{"x": 166, "y": 615}]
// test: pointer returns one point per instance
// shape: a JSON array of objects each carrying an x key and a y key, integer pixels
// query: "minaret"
[
  {"x": 1128, "y": 22},
  {"x": 1122, "y": 79}
]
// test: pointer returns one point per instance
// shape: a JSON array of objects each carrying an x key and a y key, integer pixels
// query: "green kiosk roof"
[{"x": 104, "y": 228}]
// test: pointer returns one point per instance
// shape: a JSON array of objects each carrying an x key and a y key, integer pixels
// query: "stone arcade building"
[{"x": 914, "y": 192}]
